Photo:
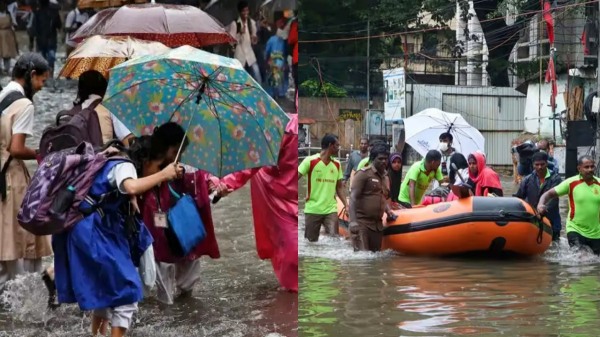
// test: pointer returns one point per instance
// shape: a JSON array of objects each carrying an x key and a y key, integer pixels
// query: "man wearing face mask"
[{"x": 447, "y": 151}]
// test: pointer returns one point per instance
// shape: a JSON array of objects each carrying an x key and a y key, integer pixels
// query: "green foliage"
[
  {"x": 312, "y": 88},
  {"x": 344, "y": 63}
]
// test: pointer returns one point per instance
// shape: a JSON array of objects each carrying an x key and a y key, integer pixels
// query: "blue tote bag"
[{"x": 185, "y": 224}]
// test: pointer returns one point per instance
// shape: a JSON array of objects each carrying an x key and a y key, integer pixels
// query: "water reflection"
[{"x": 317, "y": 295}]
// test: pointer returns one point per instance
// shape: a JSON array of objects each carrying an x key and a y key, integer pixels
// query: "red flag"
[
  {"x": 586, "y": 49},
  {"x": 549, "y": 20}
]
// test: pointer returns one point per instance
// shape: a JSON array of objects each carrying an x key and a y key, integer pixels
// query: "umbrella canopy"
[
  {"x": 423, "y": 131},
  {"x": 172, "y": 25},
  {"x": 101, "y": 53},
  {"x": 98, "y": 4},
  {"x": 232, "y": 123}
]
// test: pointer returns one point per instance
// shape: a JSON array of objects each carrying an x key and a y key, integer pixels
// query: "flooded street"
[
  {"x": 343, "y": 293},
  {"x": 238, "y": 294}
]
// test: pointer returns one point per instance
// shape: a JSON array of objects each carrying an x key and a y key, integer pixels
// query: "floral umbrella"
[{"x": 232, "y": 123}]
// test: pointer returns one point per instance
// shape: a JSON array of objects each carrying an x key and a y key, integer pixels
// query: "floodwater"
[
  {"x": 238, "y": 294},
  {"x": 343, "y": 293}
]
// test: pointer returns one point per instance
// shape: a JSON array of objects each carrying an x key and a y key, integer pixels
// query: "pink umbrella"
[{"x": 171, "y": 25}]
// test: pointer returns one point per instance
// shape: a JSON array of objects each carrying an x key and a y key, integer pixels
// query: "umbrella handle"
[{"x": 183, "y": 140}]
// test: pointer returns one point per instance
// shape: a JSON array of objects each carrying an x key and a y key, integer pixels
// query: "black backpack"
[{"x": 72, "y": 127}]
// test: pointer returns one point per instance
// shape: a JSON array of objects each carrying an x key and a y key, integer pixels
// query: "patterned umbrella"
[
  {"x": 172, "y": 25},
  {"x": 232, "y": 123},
  {"x": 101, "y": 53}
]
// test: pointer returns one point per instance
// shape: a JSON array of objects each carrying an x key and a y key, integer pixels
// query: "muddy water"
[
  {"x": 343, "y": 293},
  {"x": 238, "y": 294}
]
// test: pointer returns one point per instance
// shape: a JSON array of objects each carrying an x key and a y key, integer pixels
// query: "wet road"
[
  {"x": 238, "y": 294},
  {"x": 343, "y": 293}
]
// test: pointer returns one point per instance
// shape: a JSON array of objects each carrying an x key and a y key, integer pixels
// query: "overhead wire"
[{"x": 376, "y": 36}]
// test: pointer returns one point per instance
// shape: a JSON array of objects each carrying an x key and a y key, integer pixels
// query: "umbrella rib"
[
  {"x": 242, "y": 84},
  {"x": 255, "y": 120},
  {"x": 168, "y": 62},
  {"x": 185, "y": 100}
]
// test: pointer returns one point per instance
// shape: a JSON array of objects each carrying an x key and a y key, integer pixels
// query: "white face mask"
[{"x": 443, "y": 147}]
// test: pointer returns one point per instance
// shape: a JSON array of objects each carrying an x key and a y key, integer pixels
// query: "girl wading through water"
[
  {"x": 94, "y": 259},
  {"x": 20, "y": 251},
  {"x": 176, "y": 274}
]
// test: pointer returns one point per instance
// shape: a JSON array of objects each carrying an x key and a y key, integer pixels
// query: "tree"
[{"x": 344, "y": 62}]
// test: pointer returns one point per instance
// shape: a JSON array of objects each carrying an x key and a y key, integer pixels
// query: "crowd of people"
[
  {"x": 44, "y": 23},
  {"x": 378, "y": 187},
  {"x": 97, "y": 262},
  {"x": 264, "y": 48}
]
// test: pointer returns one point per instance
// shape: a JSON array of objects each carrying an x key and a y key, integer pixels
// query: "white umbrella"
[{"x": 423, "y": 131}]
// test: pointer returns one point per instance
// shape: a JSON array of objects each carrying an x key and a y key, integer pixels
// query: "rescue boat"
[{"x": 480, "y": 225}]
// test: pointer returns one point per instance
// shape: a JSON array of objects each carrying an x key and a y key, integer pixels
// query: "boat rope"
[{"x": 530, "y": 218}]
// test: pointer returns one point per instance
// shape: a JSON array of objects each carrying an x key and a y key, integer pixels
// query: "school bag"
[
  {"x": 72, "y": 127},
  {"x": 60, "y": 184}
]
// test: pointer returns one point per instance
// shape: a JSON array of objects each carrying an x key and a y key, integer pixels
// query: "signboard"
[
  {"x": 395, "y": 94},
  {"x": 374, "y": 123},
  {"x": 354, "y": 114}
]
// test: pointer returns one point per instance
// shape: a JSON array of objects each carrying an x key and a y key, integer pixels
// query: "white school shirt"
[
  {"x": 243, "y": 51},
  {"x": 23, "y": 124},
  {"x": 119, "y": 173},
  {"x": 74, "y": 16}
]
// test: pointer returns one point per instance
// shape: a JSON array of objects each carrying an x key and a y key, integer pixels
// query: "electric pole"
[{"x": 368, "y": 61}]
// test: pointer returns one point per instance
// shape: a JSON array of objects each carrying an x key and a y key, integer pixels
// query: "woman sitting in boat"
[
  {"x": 395, "y": 175},
  {"x": 456, "y": 176},
  {"x": 485, "y": 180}
]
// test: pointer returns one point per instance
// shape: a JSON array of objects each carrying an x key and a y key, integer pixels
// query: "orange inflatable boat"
[{"x": 480, "y": 225}]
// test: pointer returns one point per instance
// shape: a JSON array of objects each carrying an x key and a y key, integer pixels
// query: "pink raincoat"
[{"x": 274, "y": 192}]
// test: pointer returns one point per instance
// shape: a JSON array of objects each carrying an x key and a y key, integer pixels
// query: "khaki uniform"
[
  {"x": 369, "y": 207},
  {"x": 8, "y": 43},
  {"x": 15, "y": 242}
]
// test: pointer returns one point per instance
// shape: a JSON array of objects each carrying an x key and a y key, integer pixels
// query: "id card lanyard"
[{"x": 160, "y": 218}]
